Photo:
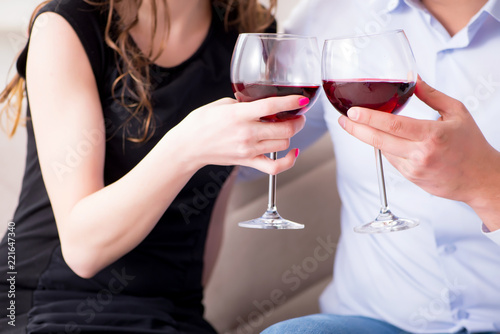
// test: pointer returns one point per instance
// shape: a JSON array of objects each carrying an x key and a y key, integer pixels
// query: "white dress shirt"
[{"x": 445, "y": 274}]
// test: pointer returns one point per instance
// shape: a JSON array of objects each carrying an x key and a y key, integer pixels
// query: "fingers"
[
  {"x": 274, "y": 167},
  {"x": 274, "y": 105},
  {"x": 280, "y": 130},
  {"x": 401, "y": 126},
  {"x": 437, "y": 100},
  {"x": 377, "y": 138},
  {"x": 397, "y": 134},
  {"x": 267, "y": 146}
]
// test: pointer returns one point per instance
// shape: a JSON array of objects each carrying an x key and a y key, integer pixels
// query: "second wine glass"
[
  {"x": 377, "y": 72},
  {"x": 269, "y": 65}
]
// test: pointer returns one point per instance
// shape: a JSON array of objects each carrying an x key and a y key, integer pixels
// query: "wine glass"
[
  {"x": 377, "y": 72},
  {"x": 268, "y": 65}
]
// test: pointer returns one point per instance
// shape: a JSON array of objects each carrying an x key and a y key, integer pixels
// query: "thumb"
[{"x": 442, "y": 103}]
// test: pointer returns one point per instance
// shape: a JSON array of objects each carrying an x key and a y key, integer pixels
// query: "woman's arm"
[{"x": 97, "y": 224}]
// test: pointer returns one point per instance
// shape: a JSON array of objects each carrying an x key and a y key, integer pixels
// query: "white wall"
[{"x": 14, "y": 19}]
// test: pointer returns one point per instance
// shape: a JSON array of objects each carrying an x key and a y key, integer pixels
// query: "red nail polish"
[
  {"x": 297, "y": 151},
  {"x": 303, "y": 101}
]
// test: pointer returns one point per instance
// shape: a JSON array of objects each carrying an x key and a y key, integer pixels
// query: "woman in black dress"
[{"x": 130, "y": 155}]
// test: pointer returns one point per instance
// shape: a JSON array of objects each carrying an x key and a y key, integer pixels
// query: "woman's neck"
[
  {"x": 183, "y": 30},
  {"x": 454, "y": 15}
]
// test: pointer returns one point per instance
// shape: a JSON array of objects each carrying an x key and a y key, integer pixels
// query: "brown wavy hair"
[{"x": 132, "y": 64}]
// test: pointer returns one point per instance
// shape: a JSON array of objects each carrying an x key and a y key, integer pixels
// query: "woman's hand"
[
  {"x": 227, "y": 132},
  {"x": 448, "y": 157}
]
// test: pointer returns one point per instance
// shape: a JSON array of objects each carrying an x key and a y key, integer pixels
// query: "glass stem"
[
  {"x": 381, "y": 182},
  {"x": 271, "y": 206}
]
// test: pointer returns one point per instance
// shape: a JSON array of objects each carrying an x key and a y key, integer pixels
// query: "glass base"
[
  {"x": 387, "y": 222},
  {"x": 271, "y": 220}
]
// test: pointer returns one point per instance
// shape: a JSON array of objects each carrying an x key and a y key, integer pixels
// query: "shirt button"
[
  {"x": 392, "y": 5},
  {"x": 462, "y": 314},
  {"x": 450, "y": 249}
]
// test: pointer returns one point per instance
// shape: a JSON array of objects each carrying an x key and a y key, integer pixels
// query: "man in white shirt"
[{"x": 442, "y": 167}]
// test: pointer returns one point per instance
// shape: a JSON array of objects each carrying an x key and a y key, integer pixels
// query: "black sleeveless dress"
[{"x": 155, "y": 288}]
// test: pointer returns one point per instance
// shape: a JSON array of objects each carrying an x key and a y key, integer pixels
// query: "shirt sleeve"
[{"x": 493, "y": 236}]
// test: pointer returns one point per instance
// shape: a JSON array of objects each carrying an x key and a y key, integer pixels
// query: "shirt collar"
[
  {"x": 462, "y": 39},
  {"x": 392, "y": 5},
  {"x": 492, "y": 7}
]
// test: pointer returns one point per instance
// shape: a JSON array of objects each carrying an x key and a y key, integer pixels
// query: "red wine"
[
  {"x": 384, "y": 95},
  {"x": 247, "y": 92}
]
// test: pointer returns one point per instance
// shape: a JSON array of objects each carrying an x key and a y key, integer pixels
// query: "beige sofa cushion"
[{"x": 265, "y": 276}]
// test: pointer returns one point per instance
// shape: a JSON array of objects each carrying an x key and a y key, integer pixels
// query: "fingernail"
[
  {"x": 297, "y": 151},
  {"x": 342, "y": 121},
  {"x": 303, "y": 101},
  {"x": 353, "y": 113}
]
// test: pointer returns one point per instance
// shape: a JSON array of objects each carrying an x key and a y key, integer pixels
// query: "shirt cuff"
[{"x": 493, "y": 236}]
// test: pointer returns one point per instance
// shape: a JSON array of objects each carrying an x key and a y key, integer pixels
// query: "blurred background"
[{"x": 14, "y": 19}]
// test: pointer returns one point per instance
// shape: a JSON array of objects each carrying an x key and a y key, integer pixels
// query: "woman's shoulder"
[
  {"x": 74, "y": 7},
  {"x": 87, "y": 19}
]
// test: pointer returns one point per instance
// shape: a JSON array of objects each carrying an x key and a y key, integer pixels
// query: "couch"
[{"x": 265, "y": 276}]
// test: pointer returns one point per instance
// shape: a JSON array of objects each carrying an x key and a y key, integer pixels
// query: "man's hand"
[{"x": 448, "y": 157}]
